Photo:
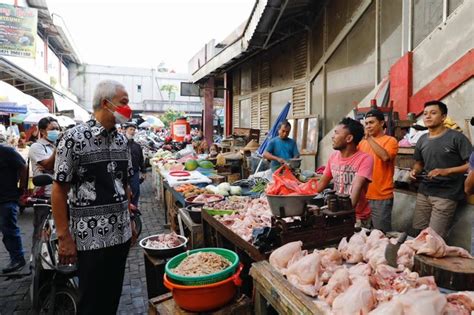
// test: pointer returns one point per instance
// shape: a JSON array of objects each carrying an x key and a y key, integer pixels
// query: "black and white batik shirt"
[{"x": 97, "y": 164}]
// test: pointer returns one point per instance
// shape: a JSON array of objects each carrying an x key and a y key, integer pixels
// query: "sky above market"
[{"x": 144, "y": 33}]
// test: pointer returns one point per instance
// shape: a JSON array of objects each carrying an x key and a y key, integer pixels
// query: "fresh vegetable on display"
[{"x": 206, "y": 164}]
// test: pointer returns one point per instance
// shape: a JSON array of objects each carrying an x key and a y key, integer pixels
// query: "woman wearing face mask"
[
  {"x": 138, "y": 162},
  {"x": 41, "y": 156}
]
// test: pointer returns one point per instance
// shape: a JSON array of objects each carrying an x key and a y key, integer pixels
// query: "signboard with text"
[{"x": 18, "y": 27}]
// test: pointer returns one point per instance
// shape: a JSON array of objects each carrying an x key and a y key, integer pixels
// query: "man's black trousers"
[{"x": 101, "y": 274}]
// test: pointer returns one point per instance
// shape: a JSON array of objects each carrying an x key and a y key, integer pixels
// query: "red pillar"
[
  {"x": 209, "y": 110},
  {"x": 401, "y": 86},
  {"x": 228, "y": 104}
]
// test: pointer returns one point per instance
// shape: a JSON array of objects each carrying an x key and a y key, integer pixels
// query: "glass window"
[
  {"x": 317, "y": 95},
  {"x": 244, "y": 115},
  {"x": 453, "y": 4},
  {"x": 427, "y": 14},
  {"x": 278, "y": 100},
  {"x": 350, "y": 70},
  {"x": 390, "y": 34}
]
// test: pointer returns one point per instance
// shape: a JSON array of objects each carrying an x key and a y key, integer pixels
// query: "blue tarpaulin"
[
  {"x": 12, "y": 108},
  {"x": 274, "y": 130}
]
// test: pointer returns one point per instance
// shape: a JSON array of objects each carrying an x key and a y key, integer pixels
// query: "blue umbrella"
[{"x": 274, "y": 130}]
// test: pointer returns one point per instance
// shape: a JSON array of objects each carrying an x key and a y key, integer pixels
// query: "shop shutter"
[
  {"x": 235, "y": 112},
  {"x": 301, "y": 54},
  {"x": 299, "y": 100},
  {"x": 264, "y": 114},
  {"x": 254, "y": 112}
]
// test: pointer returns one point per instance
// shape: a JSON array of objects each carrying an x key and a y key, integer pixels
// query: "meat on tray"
[
  {"x": 251, "y": 214},
  {"x": 163, "y": 241}
]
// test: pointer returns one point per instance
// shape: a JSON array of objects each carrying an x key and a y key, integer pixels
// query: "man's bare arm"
[{"x": 358, "y": 184}]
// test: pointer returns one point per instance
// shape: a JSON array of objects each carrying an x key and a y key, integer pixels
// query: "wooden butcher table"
[{"x": 271, "y": 287}]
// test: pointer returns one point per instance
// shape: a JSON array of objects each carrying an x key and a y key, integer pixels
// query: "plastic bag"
[{"x": 285, "y": 183}]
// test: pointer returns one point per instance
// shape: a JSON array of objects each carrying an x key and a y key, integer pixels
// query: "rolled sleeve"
[{"x": 65, "y": 163}]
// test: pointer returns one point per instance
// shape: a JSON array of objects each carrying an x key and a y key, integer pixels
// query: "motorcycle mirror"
[{"x": 42, "y": 180}]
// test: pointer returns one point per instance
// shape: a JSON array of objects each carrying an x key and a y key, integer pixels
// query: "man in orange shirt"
[{"x": 383, "y": 149}]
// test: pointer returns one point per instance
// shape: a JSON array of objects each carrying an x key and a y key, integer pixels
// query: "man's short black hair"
[
  {"x": 442, "y": 107},
  {"x": 355, "y": 128},
  {"x": 44, "y": 122},
  {"x": 375, "y": 113},
  {"x": 284, "y": 123}
]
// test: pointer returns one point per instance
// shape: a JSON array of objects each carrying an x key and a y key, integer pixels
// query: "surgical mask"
[
  {"x": 122, "y": 114},
  {"x": 52, "y": 135}
]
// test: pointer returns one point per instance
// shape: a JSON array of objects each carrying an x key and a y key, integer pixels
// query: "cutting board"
[{"x": 455, "y": 273}]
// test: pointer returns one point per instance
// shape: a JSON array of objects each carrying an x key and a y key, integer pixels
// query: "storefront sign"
[{"x": 18, "y": 27}]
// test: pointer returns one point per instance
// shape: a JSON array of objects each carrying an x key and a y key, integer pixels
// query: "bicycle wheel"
[
  {"x": 138, "y": 224},
  {"x": 65, "y": 301}
]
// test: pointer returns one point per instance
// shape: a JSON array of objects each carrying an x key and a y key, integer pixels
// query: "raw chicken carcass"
[
  {"x": 353, "y": 251},
  {"x": 284, "y": 254},
  {"x": 463, "y": 299},
  {"x": 304, "y": 274},
  {"x": 330, "y": 256},
  {"x": 360, "y": 270},
  {"x": 376, "y": 255},
  {"x": 373, "y": 240},
  {"x": 428, "y": 242},
  {"x": 392, "y": 307},
  {"x": 422, "y": 302},
  {"x": 338, "y": 283},
  {"x": 405, "y": 257},
  {"x": 359, "y": 298}
]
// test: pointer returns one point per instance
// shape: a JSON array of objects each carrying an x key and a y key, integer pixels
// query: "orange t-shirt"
[{"x": 381, "y": 186}]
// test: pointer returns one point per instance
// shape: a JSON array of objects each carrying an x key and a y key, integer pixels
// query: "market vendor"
[
  {"x": 443, "y": 154},
  {"x": 282, "y": 148},
  {"x": 350, "y": 168}
]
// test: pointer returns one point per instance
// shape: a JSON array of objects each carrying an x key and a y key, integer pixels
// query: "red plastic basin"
[{"x": 207, "y": 297}]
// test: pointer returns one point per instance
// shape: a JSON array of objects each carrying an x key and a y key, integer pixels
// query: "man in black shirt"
[
  {"x": 12, "y": 168},
  {"x": 138, "y": 163}
]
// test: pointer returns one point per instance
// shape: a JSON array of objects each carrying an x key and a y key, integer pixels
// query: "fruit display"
[{"x": 191, "y": 165}]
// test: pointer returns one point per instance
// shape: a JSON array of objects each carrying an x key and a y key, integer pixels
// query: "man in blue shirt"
[{"x": 281, "y": 149}]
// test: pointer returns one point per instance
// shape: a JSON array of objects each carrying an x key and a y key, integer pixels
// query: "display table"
[
  {"x": 190, "y": 229},
  {"x": 165, "y": 305},
  {"x": 271, "y": 287}
]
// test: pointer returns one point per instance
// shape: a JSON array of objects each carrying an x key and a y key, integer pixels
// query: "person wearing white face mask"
[
  {"x": 94, "y": 162},
  {"x": 138, "y": 163}
]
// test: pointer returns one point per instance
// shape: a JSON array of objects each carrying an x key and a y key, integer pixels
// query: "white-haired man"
[{"x": 93, "y": 161}]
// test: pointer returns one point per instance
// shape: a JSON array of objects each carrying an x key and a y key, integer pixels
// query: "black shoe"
[{"x": 14, "y": 266}]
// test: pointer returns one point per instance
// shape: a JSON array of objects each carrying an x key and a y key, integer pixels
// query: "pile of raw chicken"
[
  {"x": 356, "y": 279},
  {"x": 255, "y": 213}
]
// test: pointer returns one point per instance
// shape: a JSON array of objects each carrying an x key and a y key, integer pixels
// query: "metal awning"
[
  {"x": 270, "y": 22},
  {"x": 24, "y": 81}
]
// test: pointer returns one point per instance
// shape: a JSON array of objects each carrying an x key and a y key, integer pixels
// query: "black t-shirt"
[
  {"x": 450, "y": 149},
  {"x": 11, "y": 163}
]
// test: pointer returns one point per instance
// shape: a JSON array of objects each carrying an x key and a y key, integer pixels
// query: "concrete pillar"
[
  {"x": 228, "y": 104},
  {"x": 208, "y": 110}
]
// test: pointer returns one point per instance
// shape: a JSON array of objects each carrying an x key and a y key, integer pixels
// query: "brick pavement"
[{"x": 14, "y": 293}]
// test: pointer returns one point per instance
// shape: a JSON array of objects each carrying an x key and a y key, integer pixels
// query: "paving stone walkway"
[{"x": 14, "y": 293}]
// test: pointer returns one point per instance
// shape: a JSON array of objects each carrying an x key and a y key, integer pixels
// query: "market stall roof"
[
  {"x": 270, "y": 22},
  {"x": 64, "y": 104},
  {"x": 13, "y": 100}
]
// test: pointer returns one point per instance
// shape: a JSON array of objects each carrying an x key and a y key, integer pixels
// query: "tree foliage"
[{"x": 170, "y": 116}]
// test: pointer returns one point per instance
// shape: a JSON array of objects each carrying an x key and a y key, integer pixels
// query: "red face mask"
[{"x": 122, "y": 113}]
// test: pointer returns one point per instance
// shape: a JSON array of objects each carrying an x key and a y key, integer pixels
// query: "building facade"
[{"x": 150, "y": 90}]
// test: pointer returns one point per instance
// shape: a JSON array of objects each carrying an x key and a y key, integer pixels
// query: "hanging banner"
[{"x": 18, "y": 28}]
